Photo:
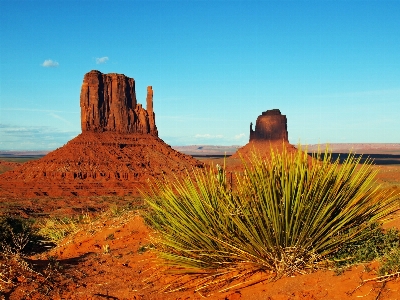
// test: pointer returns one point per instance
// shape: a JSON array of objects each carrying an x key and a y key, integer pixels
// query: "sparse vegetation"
[
  {"x": 21, "y": 238},
  {"x": 372, "y": 243},
  {"x": 106, "y": 249},
  {"x": 110, "y": 236},
  {"x": 17, "y": 234},
  {"x": 55, "y": 229},
  {"x": 390, "y": 263},
  {"x": 289, "y": 214},
  {"x": 142, "y": 249}
]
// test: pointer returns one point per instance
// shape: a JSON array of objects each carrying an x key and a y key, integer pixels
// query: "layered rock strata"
[
  {"x": 93, "y": 163},
  {"x": 108, "y": 103}
]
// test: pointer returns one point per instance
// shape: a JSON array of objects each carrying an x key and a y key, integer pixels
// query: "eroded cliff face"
[
  {"x": 108, "y": 103},
  {"x": 271, "y": 125}
]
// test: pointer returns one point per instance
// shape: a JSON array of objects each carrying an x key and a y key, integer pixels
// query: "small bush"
[
  {"x": 288, "y": 214},
  {"x": 18, "y": 238},
  {"x": 18, "y": 234},
  {"x": 390, "y": 262},
  {"x": 373, "y": 242},
  {"x": 55, "y": 229}
]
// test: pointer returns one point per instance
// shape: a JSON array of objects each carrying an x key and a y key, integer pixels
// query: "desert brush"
[{"x": 287, "y": 214}]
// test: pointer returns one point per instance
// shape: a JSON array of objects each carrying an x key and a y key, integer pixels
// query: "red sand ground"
[
  {"x": 129, "y": 270},
  {"x": 128, "y": 273}
]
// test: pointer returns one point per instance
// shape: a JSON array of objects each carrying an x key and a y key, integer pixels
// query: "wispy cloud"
[
  {"x": 40, "y": 110},
  {"x": 48, "y": 63},
  {"x": 101, "y": 60},
  {"x": 208, "y": 136},
  {"x": 14, "y": 137},
  {"x": 55, "y": 116},
  {"x": 239, "y": 136}
]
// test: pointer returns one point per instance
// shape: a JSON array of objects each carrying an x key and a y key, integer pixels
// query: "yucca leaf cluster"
[{"x": 285, "y": 214}]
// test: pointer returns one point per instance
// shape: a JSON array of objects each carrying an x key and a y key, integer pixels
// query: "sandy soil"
[
  {"x": 84, "y": 267},
  {"x": 128, "y": 270}
]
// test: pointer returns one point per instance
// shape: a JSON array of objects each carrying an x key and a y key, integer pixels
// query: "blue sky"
[{"x": 332, "y": 67}]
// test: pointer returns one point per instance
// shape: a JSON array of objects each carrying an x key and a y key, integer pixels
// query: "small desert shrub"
[
  {"x": 288, "y": 213},
  {"x": 18, "y": 234},
  {"x": 106, "y": 249},
  {"x": 371, "y": 243},
  {"x": 18, "y": 238},
  {"x": 55, "y": 228},
  {"x": 390, "y": 263}
]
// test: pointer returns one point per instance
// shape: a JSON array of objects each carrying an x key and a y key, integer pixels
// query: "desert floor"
[{"x": 109, "y": 256}]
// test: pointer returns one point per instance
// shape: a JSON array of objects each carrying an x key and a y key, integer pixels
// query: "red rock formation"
[
  {"x": 270, "y": 133},
  {"x": 116, "y": 153},
  {"x": 271, "y": 126},
  {"x": 150, "y": 112},
  {"x": 108, "y": 103},
  {"x": 8, "y": 165},
  {"x": 97, "y": 164}
]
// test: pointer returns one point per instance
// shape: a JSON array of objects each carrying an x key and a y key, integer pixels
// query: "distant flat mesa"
[
  {"x": 359, "y": 148},
  {"x": 207, "y": 150},
  {"x": 23, "y": 153}
]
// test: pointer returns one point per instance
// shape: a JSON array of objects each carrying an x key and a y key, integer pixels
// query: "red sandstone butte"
[
  {"x": 116, "y": 153},
  {"x": 270, "y": 132},
  {"x": 271, "y": 126},
  {"x": 108, "y": 103}
]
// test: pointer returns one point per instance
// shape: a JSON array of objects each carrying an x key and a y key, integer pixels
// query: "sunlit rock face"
[
  {"x": 271, "y": 125},
  {"x": 108, "y": 103}
]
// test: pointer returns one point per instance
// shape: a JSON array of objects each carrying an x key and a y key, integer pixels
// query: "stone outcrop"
[
  {"x": 117, "y": 152},
  {"x": 271, "y": 126},
  {"x": 270, "y": 133},
  {"x": 108, "y": 103}
]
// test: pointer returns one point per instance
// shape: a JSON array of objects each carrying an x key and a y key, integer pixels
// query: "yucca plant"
[{"x": 287, "y": 214}]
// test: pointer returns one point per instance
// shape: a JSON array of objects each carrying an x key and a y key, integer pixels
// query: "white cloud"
[
  {"x": 101, "y": 60},
  {"x": 203, "y": 136},
  {"x": 33, "y": 137},
  {"x": 48, "y": 63},
  {"x": 208, "y": 136},
  {"x": 239, "y": 136},
  {"x": 40, "y": 110}
]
